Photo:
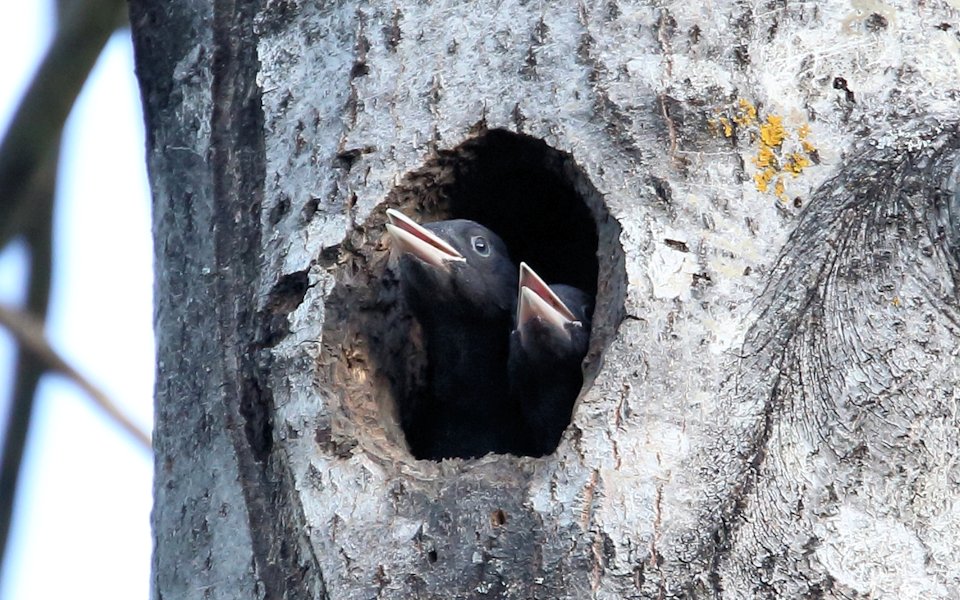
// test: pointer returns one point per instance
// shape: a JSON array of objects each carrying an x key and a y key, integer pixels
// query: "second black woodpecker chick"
[{"x": 547, "y": 348}]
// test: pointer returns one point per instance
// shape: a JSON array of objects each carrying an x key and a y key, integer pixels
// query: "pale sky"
[{"x": 81, "y": 527}]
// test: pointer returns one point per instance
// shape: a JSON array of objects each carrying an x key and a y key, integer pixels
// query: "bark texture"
[{"x": 772, "y": 400}]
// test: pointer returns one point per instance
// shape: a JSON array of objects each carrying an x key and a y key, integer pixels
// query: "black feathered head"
[{"x": 454, "y": 267}]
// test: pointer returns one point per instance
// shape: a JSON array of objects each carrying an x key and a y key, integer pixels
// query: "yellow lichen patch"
[
  {"x": 896, "y": 301},
  {"x": 779, "y": 149},
  {"x": 764, "y": 177},
  {"x": 779, "y": 190},
  {"x": 721, "y": 125},
  {"x": 771, "y": 132},
  {"x": 764, "y": 157},
  {"x": 796, "y": 163},
  {"x": 747, "y": 113}
]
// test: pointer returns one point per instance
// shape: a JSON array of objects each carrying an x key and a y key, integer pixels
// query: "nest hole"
[{"x": 536, "y": 199}]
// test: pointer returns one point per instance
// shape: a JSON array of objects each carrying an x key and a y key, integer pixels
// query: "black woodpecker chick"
[
  {"x": 546, "y": 351},
  {"x": 458, "y": 282}
]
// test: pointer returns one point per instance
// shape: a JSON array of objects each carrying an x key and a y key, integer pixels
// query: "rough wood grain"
[{"x": 775, "y": 414}]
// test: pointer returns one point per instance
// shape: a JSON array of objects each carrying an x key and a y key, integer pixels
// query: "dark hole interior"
[
  {"x": 517, "y": 186},
  {"x": 535, "y": 198}
]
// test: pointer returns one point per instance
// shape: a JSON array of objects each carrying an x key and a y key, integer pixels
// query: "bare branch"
[
  {"x": 29, "y": 333},
  {"x": 36, "y": 126},
  {"x": 28, "y": 370}
]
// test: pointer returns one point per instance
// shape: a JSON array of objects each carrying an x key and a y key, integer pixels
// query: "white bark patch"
[
  {"x": 670, "y": 270},
  {"x": 875, "y": 555}
]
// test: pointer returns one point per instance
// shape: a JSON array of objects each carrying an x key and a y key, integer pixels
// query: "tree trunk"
[{"x": 765, "y": 199}]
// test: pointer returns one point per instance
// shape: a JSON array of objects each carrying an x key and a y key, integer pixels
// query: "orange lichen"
[
  {"x": 721, "y": 125},
  {"x": 747, "y": 115},
  {"x": 779, "y": 190},
  {"x": 771, "y": 132},
  {"x": 764, "y": 177},
  {"x": 764, "y": 157},
  {"x": 778, "y": 150},
  {"x": 796, "y": 163}
]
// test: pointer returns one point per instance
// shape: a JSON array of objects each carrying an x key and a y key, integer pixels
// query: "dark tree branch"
[
  {"x": 29, "y": 368},
  {"x": 84, "y": 30}
]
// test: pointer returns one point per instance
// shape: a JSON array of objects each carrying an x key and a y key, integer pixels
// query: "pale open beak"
[
  {"x": 538, "y": 300},
  {"x": 409, "y": 236}
]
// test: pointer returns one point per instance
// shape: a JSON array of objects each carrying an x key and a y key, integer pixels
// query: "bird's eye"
[{"x": 480, "y": 245}]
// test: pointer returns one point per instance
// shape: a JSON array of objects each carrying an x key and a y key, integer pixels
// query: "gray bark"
[{"x": 772, "y": 404}]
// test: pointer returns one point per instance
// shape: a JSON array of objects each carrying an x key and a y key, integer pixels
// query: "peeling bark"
[{"x": 771, "y": 409}]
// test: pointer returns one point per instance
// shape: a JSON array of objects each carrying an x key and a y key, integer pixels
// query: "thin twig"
[{"x": 29, "y": 333}]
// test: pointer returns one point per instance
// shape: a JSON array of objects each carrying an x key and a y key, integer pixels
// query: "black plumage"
[
  {"x": 459, "y": 283},
  {"x": 547, "y": 348}
]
